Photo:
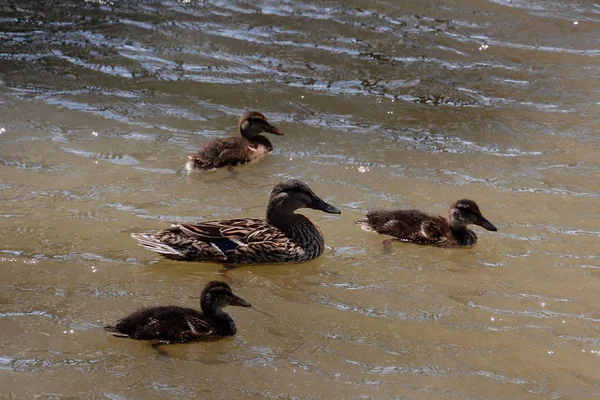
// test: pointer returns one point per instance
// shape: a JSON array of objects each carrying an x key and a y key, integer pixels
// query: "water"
[{"x": 384, "y": 104}]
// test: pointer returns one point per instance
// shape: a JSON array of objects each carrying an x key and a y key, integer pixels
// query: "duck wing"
[
  {"x": 221, "y": 152},
  {"x": 212, "y": 240},
  {"x": 199, "y": 328},
  {"x": 432, "y": 230},
  {"x": 240, "y": 231},
  {"x": 166, "y": 323},
  {"x": 408, "y": 225},
  {"x": 249, "y": 240}
]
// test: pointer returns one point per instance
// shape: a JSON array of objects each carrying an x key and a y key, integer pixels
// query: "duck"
[
  {"x": 232, "y": 151},
  {"x": 418, "y": 227},
  {"x": 283, "y": 237},
  {"x": 180, "y": 324}
]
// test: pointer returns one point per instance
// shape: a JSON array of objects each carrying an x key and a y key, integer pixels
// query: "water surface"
[{"x": 384, "y": 104}]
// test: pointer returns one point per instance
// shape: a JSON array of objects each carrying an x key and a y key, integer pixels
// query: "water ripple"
[{"x": 540, "y": 314}]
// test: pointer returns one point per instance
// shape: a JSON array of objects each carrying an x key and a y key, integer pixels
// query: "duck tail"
[
  {"x": 197, "y": 251},
  {"x": 192, "y": 164},
  {"x": 115, "y": 332},
  {"x": 147, "y": 241},
  {"x": 364, "y": 224},
  {"x": 195, "y": 164}
]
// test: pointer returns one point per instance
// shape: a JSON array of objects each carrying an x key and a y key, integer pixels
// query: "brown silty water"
[{"x": 384, "y": 105}]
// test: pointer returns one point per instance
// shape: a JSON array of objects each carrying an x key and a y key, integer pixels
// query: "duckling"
[
  {"x": 282, "y": 237},
  {"x": 233, "y": 151},
  {"x": 179, "y": 324},
  {"x": 418, "y": 227}
]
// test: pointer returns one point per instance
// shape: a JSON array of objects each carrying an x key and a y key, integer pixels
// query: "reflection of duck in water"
[
  {"x": 233, "y": 151},
  {"x": 179, "y": 324},
  {"x": 418, "y": 227},
  {"x": 283, "y": 237}
]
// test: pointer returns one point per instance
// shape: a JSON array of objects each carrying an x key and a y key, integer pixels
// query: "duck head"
[
  {"x": 253, "y": 123},
  {"x": 218, "y": 295},
  {"x": 466, "y": 212},
  {"x": 291, "y": 194}
]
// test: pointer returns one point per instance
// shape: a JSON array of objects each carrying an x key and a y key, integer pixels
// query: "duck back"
[
  {"x": 237, "y": 241},
  {"x": 408, "y": 225},
  {"x": 158, "y": 323},
  {"x": 229, "y": 152}
]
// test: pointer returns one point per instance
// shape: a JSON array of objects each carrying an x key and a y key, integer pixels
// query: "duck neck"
[
  {"x": 280, "y": 212},
  {"x": 280, "y": 218},
  {"x": 260, "y": 140},
  {"x": 251, "y": 131},
  {"x": 222, "y": 322},
  {"x": 462, "y": 235}
]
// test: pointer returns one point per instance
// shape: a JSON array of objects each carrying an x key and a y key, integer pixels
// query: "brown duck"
[
  {"x": 282, "y": 237},
  {"x": 232, "y": 151},
  {"x": 179, "y": 324},
  {"x": 418, "y": 227}
]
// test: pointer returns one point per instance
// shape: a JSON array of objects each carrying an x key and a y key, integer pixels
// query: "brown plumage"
[
  {"x": 283, "y": 236},
  {"x": 179, "y": 324},
  {"x": 418, "y": 227},
  {"x": 232, "y": 151}
]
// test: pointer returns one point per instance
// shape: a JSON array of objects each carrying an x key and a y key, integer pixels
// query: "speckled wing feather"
[
  {"x": 230, "y": 152},
  {"x": 268, "y": 244},
  {"x": 199, "y": 329},
  {"x": 242, "y": 230},
  {"x": 201, "y": 326},
  {"x": 242, "y": 240},
  {"x": 409, "y": 226},
  {"x": 432, "y": 231},
  {"x": 174, "y": 244},
  {"x": 220, "y": 152},
  {"x": 169, "y": 323}
]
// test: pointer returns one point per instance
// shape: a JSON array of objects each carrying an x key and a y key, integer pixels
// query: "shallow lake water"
[{"x": 384, "y": 104}]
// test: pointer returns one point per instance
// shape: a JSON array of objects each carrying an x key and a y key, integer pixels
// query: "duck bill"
[
  {"x": 319, "y": 204},
  {"x": 484, "y": 223},
  {"x": 273, "y": 130},
  {"x": 238, "y": 301}
]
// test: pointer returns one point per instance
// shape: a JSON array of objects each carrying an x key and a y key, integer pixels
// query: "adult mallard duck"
[
  {"x": 418, "y": 227},
  {"x": 283, "y": 236},
  {"x": 232, "y": 151},
  {"x": 179, "y": 324}
]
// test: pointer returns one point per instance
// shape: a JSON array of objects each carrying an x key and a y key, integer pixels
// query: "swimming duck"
[
  {"x": 179, "y": 324},
  {"x": 418, "y": 227},
  {"x": 283, "y": 236},
  {"x": 233, "y": 151}
]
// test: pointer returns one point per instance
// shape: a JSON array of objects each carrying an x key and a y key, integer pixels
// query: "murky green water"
[{"x": 384, "y": 104}]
